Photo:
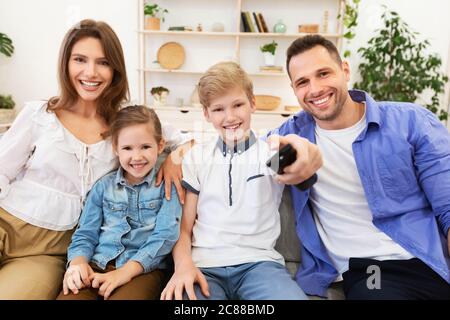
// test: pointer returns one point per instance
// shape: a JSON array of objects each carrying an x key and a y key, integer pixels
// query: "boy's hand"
[
  {"x": 77, "y": 277},
  {"x": 309, "y": 158},
  {"x": 184, "y": 279},
  {"x": 171, "y": 171}
]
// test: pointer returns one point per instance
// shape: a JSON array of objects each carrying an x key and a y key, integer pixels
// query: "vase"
[
  {"x": 152, "y": 23},
  {"x": 195, "y": 100},
  {"x": 7, "y": 115},
  {"x": 279, "y": 27},
  {"x": 269, "y": 59},
  {"x": 159, "y": 100}
]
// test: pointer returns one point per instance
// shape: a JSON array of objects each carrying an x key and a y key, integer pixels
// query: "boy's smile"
[{"x": 230, "y": 114}]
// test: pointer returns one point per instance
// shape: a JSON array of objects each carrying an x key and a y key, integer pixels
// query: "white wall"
[
  {"x": 37, "y": 28},
  {"x": 429, "y": 18}
]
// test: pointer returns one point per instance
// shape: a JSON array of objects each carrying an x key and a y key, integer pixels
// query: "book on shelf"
[
  {"x": 263, "y": 22},
  {"x": 257, "y": 22},
  {"x": 244, "y": 24},
  {"x": 275, "y": 69},
  {"x": 250, "y": 22}
]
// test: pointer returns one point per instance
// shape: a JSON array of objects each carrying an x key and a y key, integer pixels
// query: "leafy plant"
[
  {"x": 350, "y": 21},
  {"x": 397, "y": 68},
  {"x": 269, "y": 47},
  {"x": 159, "y": 90},
  {"x": 6, "y": 102},
  {"x": 6, "y": 46},
  {"x": 154, "y": 10}
]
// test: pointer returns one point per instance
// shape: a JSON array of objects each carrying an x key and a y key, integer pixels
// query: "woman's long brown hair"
[{"x": 110, "y": 100}]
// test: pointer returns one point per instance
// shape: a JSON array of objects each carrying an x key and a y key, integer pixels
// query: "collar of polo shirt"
[{"x": 236, "y": 148}]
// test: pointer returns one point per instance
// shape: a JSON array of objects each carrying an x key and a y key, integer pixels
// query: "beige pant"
[
  {"x": 146, "y": 286},
  {"x": 32, "y": 259}
]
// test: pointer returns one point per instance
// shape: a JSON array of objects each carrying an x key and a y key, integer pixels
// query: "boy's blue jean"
[{"x": 265, "y": 280}]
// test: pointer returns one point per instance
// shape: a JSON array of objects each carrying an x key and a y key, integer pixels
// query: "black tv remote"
[{"x": 283, "y": 158}]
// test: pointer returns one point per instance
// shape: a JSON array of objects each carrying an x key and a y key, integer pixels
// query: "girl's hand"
[
  {"x": 77, "y": 277},
  {"x": 107, "y": 282}
]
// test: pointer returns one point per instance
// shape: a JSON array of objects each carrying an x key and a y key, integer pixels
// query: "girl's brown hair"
[
  {"x": 133, "y": 115},
  {"x": 117, "y": 92}
]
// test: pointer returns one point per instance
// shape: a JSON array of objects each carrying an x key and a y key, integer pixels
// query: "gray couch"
[{"x": 288, "y": 244}]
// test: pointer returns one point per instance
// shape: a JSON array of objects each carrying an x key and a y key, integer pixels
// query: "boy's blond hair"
[{"x": 220, "y": 78}]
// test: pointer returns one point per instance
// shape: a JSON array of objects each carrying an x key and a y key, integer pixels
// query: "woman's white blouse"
[{"x": 46, "y": 172}]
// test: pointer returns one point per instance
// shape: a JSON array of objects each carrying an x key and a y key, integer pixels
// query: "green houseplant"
[
  {"x": 350, "y": 21},
  {"x": 6, "y": 45},
  {"x": 6, "y": 102},
  {"x": 268, "y": 50},
  {"x": 7, "y": 111},
  {"x": 396, "y": 66},
  {"x": 159, "y": 95},
  {"x": 154, "y": 14}
]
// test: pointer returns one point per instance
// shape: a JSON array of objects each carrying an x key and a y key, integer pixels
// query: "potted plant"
[
  {"x": 396, "y": 66},
  {"x": 7, "y": 111},
  {"x": 159, "y": 95},
  {"x": 269, "y": 53},
  {"x": 153, "y": 16}
]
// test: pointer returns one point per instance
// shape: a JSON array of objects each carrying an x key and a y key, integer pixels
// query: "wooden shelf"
[
  {"x": 283, "y": 35},
  {"x": 185, "y": 109},
  {"x": 189, "y": 33},
  {"x": 180, "y": 71},
  {"x": 205, "y": 48},
  {"x": 236, "y": 34}
]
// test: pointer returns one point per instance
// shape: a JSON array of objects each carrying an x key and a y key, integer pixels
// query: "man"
[{"x": 378, "y": 217}]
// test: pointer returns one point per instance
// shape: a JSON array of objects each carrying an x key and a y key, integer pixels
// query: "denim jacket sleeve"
[
  {"x": 164, "y": 236},
  {"x": 85, "y": 238},
  {"x": 432, "y": 160}
]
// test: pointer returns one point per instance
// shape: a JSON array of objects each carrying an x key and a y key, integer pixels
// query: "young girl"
[
  {"x": 127, "y": 227},
  {"x": 52, "y": 155}
]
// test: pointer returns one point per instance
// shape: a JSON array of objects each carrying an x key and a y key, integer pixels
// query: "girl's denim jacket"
[{"x": 122, "y": 222}]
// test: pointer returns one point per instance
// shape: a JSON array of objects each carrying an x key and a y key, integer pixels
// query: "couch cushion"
[{"x": 288, "y": 243}]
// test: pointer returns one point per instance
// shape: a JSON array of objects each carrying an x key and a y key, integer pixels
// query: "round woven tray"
[
  {"x": 267, "y": 102},
  {"x": 171, "y": 55}
]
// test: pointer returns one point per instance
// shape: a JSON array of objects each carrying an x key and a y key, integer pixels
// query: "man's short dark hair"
[{"x": 308, "y": 42}]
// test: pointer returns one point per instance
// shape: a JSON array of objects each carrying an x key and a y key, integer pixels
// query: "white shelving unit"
[{"x": 205, "y": 48}]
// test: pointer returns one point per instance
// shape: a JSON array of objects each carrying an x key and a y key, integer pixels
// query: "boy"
[{"x": 230, "y": 218}]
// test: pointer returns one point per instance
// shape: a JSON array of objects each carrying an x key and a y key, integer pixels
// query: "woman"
[{"x": 51, "y": 157}]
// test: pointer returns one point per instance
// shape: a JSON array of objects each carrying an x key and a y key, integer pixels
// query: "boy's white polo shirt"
[{"x": 237, "y": 211}]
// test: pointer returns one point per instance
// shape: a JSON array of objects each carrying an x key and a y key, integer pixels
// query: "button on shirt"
[
  {"x": 125, "y": 222},
  {"x": 238, "y": 199},
  {"x": 45, "y": 171}
]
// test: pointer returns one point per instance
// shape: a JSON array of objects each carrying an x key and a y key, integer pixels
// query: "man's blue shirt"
[{"x": 403, "y": 160}]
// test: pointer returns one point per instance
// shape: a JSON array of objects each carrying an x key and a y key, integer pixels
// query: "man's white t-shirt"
[{"x": 341, "y": 212}]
